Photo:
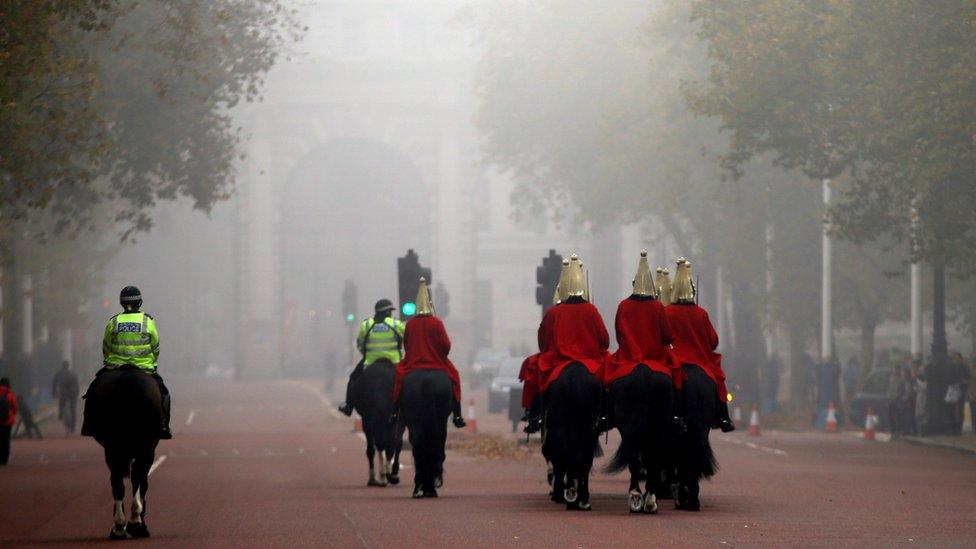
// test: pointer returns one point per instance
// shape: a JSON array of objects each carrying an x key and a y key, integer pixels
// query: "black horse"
[
  {"x": 126, "y": 411},
  {"x": 426, "y": 401},
  {"x": 693, "y": 456},
  {"x": 571, "y": 439},
  {"x": 642, "y": 405},
  {"x": 374, "y": 402}
]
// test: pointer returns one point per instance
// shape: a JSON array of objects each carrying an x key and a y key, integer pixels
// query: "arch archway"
[{"x": 350, "y": 207}]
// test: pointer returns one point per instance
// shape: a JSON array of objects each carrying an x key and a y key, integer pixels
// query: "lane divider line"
[
  {"x": 753, "y": 445},
  {"x": 189, "y": 419},
  {"x": 159, "y": 461}
]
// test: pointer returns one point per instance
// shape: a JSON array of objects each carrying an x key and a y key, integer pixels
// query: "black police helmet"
[
  {"x": 130, "y": 296},
  {"x": 383, "y": 306}
]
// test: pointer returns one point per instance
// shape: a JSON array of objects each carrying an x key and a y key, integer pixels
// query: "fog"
[{"x": 483, "y": 134}]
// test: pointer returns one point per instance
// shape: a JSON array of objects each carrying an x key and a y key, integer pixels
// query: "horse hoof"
[
  {"x": 393, "y": 479},
  {"x": 557, "y": 497},
  {"x": 117, "y": 533},
  {"x": 137, "y": 530},
  {"x": 650, "y": 504},
  {"x": 570, "y": 494},
  {"x": 418, "y": 493},
  {"x": 372, "y": 482},
  {"x": 635, "y": 501},
  {"x": 439, "y": 481},
  {"x": 430, "y": 493},
  {"x": 583, "y": 506}
]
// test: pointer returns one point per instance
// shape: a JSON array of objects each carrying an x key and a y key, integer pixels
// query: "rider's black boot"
[
  {"x": 165, "y": 433},
  {"x": 724, "y": 421},
  {"x": 458, "y": 419}
]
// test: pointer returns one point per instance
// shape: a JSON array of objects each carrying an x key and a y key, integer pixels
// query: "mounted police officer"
[
  {"x": 380, "y": 338},
  {"x": 131, "y": 339}
]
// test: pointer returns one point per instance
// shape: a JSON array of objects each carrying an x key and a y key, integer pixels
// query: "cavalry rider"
[
  {"x": 131, "y": 339},
  {"x": 573, "y": 331},
  {"x": 643, "y": 333},
  {"x": 529, "y": 374},
  {"x": 380, "y": 338},
  {"x": 426, "y": 346},
  {"x": 663, "y": 284},
  {"x": 695, "y": 339}
]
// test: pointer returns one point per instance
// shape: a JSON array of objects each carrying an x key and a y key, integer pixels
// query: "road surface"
[{"x": 265, "y": 464}]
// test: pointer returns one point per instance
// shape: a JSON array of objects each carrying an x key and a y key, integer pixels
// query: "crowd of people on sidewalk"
[{"x": 908, "y": 390}]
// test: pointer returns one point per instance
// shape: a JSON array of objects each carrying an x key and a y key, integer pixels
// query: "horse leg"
[
  {"x": 397, "y": 447},
  {"x": 140, "y": 484},
  {"x": 117, "y": 472},
  {"x": 635, "y": 499},
  {"x": 384, "y": 469},
  {"x": 370, "y": 452}
]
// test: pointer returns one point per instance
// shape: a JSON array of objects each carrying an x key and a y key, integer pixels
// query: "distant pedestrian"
[
  {"x": 921, "y": 394},
  {"x": 902, "y": 407},
  {"x": 26, "y": 419},
  {"x": 956, "y": 379},
  {"x": 65, "y": 389},
  {"x": 8, "y": 417},
  {"x": 972, "y": 394}
]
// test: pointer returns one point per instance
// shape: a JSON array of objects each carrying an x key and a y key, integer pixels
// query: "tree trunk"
[
  {"x": 940, "y": 347},
  {"x": 748, "y": 353},
  {"x": 798, "y": 364},
  {"x": 868, "y": 326}
]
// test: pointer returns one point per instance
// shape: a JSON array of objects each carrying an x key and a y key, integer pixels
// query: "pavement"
[{"x": 267, "y": 464}]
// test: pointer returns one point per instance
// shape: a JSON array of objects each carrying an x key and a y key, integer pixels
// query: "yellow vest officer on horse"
[
  {"x": 131, "y": 339},
  {"x": 380, "y": 338}
]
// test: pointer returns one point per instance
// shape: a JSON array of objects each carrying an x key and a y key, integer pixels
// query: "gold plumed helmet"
[
  {"x": 643, "y": 281},
  {"x": 576, "y": 279},
  {"x": 683, "y": 290},
  {"x": 563, "y": 283},
  {"x": 425, "y": 306},
  {"x": 663, "y": 284}
]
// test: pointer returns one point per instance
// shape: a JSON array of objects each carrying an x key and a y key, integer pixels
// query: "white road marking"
[
  {"x": 753, "y": 445},
  {"x": 159, "y": 461},
  {"x": 189, "y": 419}
]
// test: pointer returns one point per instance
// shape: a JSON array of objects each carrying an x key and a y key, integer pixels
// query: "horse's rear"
[
  {"x": 694, "y": 456},
  {"x": 642, "y": 403},
  {"x": 426, "y": 401},
  {"x": 128, "y": 416},
  {"x": 375, "y": 405},
  {"x": 572, "y": 409}
]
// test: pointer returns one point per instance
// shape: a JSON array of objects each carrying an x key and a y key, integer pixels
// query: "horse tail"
[
  {"x": 583, "y": 391},
  {"x": 633, "y": 422}
]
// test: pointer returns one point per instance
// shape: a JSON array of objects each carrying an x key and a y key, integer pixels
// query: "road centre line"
[
  {"x": 159, "y": 461},
  {"x": 753, "y": 445},
  {"x": 189, "y": 419}
]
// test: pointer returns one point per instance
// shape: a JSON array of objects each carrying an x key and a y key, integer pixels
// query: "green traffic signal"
[
  {"x": 409, "y": 308},
  {"x": 350, "y": 318}
]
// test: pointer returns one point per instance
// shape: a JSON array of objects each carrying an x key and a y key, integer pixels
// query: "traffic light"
[
  {"x": 350, "y": 301},
  {"x": 409, "y": 272},
  {"x": 547, "y": 276}
]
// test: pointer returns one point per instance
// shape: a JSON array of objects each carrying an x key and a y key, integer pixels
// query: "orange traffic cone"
[
  {"x": 869, "y": 425},
  {"x": 754, "y": 422},
  {"x": 472, "y": 420},
  {"x": 357, "y": 427},
  {"x": 831, "y": 426}
]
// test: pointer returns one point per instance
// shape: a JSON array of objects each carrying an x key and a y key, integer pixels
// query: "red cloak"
[
  {"x": 577, "y": 335},
  {"x": 530, "y": 366},
  {"x": 426, "y": 346},
  {"x": 695, "y": 341},
  {"x": 643, "y": 336}
]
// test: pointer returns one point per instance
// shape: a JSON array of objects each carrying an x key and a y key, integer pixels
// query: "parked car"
[
  {"x": 485, "y": 365},
  {"x": 877, "y": 392},
  {"x": 502, "y": 383}
]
